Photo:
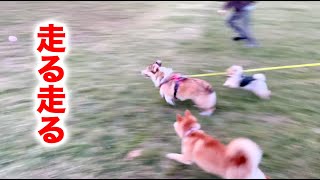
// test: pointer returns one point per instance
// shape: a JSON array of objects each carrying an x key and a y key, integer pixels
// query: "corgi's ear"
[
  {"x": 159, "y": 62},
  {"x": 187, "y": 113},
  {"x": 179, "y": 118},
  {"x": 155, "y": 69}
]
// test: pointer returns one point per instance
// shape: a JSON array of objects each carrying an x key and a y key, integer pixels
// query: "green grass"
[{"x": 114, "y": 110}]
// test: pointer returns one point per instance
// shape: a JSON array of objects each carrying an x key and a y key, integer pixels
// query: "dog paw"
[
  {"x": 170, "y": 155},
  {"x": 171, "y": 102},
  {"x": 206, "y": 113},
  {"x": 266, "y": 96}
]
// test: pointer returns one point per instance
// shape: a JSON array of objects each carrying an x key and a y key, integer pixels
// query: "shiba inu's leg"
[
  {"x": 169, "y": 100},
  {"x": 180, "y": 158}
]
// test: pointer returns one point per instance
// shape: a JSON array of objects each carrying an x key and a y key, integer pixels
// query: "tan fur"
[
  {"x": 197, "y": 90},
  {"x": 238, "y": 160}
]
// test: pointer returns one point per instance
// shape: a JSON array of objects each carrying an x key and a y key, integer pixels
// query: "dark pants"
[{"x": 243, "y": 28}]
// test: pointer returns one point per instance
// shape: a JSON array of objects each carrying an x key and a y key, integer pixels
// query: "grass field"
[{"x": 113, "y": 109}]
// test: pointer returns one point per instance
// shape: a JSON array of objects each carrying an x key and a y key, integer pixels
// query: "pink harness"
[{"x": 177, "y": 78}]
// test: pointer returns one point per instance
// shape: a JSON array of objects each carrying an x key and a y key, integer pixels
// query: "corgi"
[
  {"x": 239, "y": 159},
  {"x": 255, "y": 84},
  {"x": 174, "y": 86}
]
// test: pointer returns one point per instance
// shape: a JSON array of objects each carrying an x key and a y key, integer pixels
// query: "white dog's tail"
[
  {"x": 261, "y": 77},
  {"x": 243, "y": 157}
]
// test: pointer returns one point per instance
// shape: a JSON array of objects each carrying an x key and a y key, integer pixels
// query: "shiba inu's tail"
[{"x": 243, "y": 156}]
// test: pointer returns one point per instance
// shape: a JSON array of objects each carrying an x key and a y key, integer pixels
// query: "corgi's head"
[
  {"x": 234, "y": 71},
  {"x": 152, "y": 69},
  {"x": 185, "y": 124},
  {"x": 157, "y": 73}
]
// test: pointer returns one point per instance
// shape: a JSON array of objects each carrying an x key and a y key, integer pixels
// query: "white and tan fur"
[
  {"x": 239, "y": 159},
  {"x": 197, "y": 90},
  {"x": 258, "y": 87}
]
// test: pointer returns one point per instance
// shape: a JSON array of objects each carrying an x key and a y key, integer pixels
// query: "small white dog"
[{"x": 256, "y": 83}]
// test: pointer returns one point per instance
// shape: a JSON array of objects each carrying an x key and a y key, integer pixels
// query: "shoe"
[{"x": 239, "y": 38}]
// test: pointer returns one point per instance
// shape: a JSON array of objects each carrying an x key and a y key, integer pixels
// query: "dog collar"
[
  {"x": 163, "y": 83},
  {"x": 191, "y": 131},
  {"x": 169, "y": 79}
]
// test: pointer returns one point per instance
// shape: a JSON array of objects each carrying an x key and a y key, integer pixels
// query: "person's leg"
[
  {"x": 246, "y": 20},
  {"x": 233, "y": 24}
]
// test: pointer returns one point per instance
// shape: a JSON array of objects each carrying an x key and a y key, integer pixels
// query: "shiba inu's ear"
[
  {"x": 179, "y": 118},
  {"x": 159, "y": 62},
  {"x": 187, "y": 113}
]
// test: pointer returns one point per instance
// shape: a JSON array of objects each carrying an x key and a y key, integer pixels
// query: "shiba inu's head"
[
  {"x": 186, "y": 124},
  {"x": 234, "y": 71},
  {"x": 152, "y": 69}
]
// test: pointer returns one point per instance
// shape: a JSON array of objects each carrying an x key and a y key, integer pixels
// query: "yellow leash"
[{"x": 259, "y": 69}]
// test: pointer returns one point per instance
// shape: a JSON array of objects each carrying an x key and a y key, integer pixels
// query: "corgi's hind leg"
[
  {"x": 207, "y": 112},
  {"x": 206, "y": 104}
]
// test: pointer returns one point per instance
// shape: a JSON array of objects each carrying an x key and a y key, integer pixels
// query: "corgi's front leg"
[
  {"x": 161, "y": 93},
  {"x": 169, "y": 100}
]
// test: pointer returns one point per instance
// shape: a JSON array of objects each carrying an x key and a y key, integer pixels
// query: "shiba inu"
[
  {"x": 174, "y": 86},
  {"x": 239, "y": 159},
  {"x": 256, "y": 83}
]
